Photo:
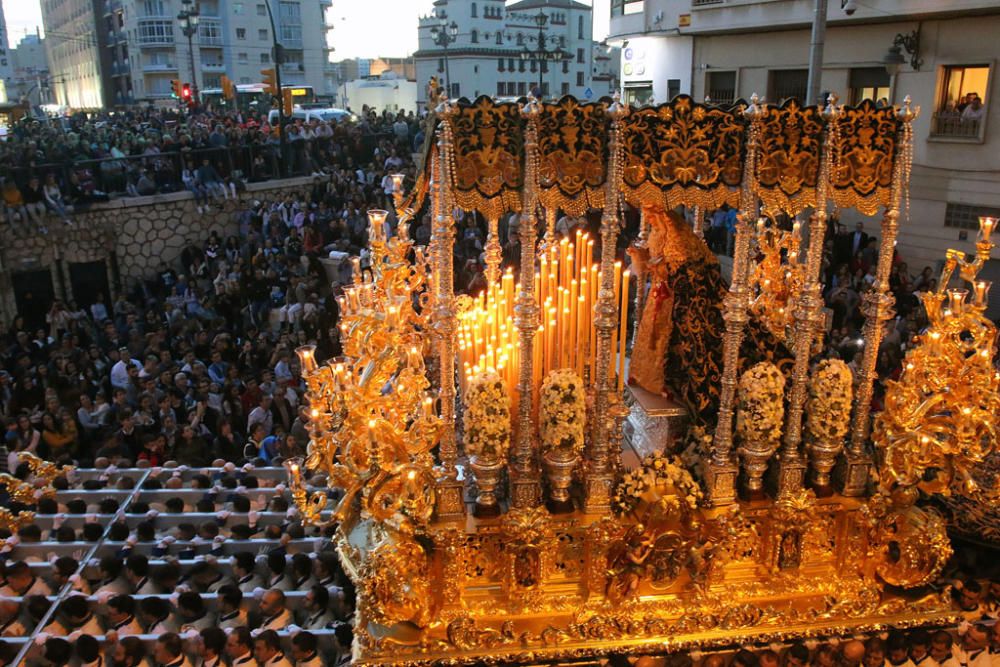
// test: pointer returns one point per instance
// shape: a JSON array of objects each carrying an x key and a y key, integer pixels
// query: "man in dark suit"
[{"x": 859, "y": 239}]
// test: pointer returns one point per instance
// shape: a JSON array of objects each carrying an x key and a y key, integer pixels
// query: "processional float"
[{"x": 781, "y": 515}]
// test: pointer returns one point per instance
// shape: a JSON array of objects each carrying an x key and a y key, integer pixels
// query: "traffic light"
[
  {"x": 286, "y": 101},
  {"x": 228, "y": 89},
  {"x": 186, "y": 93},
  {"x": 175, "y": 86},
  {"x": 270, "y": 87}
]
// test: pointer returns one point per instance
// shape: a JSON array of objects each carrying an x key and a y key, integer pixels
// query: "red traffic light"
[{"x": 186, "y": 92}]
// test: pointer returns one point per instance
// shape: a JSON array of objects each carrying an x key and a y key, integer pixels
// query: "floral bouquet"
[
  {"x": 661, "y": 481},
  {"x": 758, "y": 423},
  {"x": 487, "y": 418},
  {"x": 828, "y": 415},
  {"x": 562, "y": 413}
]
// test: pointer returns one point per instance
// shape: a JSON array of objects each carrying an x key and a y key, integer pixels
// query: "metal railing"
[{"x": 953, "y": 125}]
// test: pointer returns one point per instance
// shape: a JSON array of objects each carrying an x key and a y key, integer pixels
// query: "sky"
[{"x": 364, "y": 28}]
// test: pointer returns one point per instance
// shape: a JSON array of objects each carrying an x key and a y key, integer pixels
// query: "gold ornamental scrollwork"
[
  {"x": 488, "y": 145},
  {"x": 865, "y": 157},
  {"x": 683, "y": 153},
  {"x": 791, "y": 138},
  {"x": 573, "y": 155}
]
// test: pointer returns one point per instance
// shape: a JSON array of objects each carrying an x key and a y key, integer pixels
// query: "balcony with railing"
[
  {"x": 213, "y": 67},
  {"x": 159, "y": 67},
  {"x": 946, "y": 125}
]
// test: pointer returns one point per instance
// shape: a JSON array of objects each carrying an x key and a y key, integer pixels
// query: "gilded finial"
[
  {"x": 830, "y": 111},
  {"x": 907, "y": 112}
]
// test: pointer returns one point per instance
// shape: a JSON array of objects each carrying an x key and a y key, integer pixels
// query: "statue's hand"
[{"x": 639, "y": 257}]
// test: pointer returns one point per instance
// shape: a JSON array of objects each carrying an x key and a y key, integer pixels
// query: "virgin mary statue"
[{"x": 678, "y": 345}]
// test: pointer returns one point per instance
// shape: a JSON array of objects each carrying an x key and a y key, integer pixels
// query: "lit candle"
[
  {"x": 376, "y": 224},
  {"x": 934, "y": 341},
  {"x": 986, "y": 227},
  {"x": 623, "y": 334},
  {"x": 956, "y": 298},
  {"x": 307, "y": 358},
  {"x": 356, "y": 270},
  {"x": 397, "y": 183},
  {"x": 982, "y": 292}
]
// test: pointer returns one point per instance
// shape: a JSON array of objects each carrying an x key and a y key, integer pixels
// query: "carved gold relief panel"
[
  {"x": 862, "y": 175},
  {"x": 572, "y": 155},
  {"x": 791, "y": 137}
]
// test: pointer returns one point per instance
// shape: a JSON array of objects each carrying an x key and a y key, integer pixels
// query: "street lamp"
[
  {"x": 443, "y": 35},
  {"x": 188, "y": 18},
  {"x": 540, "y": 54}
]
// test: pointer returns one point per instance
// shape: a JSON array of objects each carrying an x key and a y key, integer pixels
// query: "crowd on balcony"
[
  {"x": 55, "y": 167},
  {"x": 961, "y": 117}
]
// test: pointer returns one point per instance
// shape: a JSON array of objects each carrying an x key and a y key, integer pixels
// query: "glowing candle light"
[
  {"x": 376, "y": 224},
  {"x": 623, "y": 330},
  {"x": 982, "y": 292},
  {"x": 307, "y": 358},
  {"x": 397, "y": 183},
  {"x": 987, "y": 227}
]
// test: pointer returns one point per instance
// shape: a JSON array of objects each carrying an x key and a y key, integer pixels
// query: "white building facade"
[
  {"x": 730, "y": 49},
  {"x": 141, "y": 47},
  {"x": 29, "y": 77},
  {"x": 495, "y": 51}
]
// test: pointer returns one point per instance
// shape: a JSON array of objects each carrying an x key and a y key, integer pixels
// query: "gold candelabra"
[
  {"x": 372, "y": 418},
  {"x": 776, "y": 278}
]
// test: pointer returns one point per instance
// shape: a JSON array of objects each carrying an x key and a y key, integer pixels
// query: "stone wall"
[{"x": 132, "y": 237}]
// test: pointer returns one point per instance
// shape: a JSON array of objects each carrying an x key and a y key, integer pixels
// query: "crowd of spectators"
[{"x": 59, "y": 165}]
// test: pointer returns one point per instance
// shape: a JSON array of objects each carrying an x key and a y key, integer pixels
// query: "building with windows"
[
  {"x": 138, "y": 47},
  {"x": 942, "y": 53},
  {"x": 484, "y": 47},
  {"x": 29, "y": 72}
]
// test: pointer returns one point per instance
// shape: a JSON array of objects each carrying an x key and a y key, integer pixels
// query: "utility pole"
[
  {"x": 816, "y": 43},
  {"x": 278, "y": 58}
]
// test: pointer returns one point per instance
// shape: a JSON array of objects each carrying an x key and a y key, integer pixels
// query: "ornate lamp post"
[
  {"x": 540, "y": 54},
  {"x": 444, "y": 35},
  {"x": 188, "y": 18}
]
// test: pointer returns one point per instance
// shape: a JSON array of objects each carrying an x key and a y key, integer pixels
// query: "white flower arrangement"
[
  {"x": 831, "y": 391},
  {"x": 562, "y": 412},
  {"x": 487, "y": 418},
  {"x": 761, "y": 404},
  {"x": 663, "y": 475}
]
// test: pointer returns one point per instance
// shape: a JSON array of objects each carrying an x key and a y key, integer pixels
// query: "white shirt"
[
  {"x": 129, "y": 626},
  {"x": 278, "y": 661},
  {"x": 234, "y": 619},
  {"x": 317, "y": 621},
  {"x": 119, "y": 373},
  {"x": 279, "y": 621},
  {"x": 13, "y": 628}
]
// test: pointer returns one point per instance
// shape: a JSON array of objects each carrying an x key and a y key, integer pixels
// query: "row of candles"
[{"x": 566, "y": 291}]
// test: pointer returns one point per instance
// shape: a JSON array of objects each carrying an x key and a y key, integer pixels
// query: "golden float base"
[{"x": 531, "y": 586}]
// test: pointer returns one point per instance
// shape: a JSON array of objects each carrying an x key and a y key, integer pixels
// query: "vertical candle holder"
[
  {"x": 598, "y": 491},
  {"x": 808, "y": 317},
  {"x": 877, "y": 307},
  {"x": 721, "y": 469}
]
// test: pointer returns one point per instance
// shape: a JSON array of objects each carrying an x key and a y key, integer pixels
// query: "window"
[
  {"x": 473, "y": 10},
  {"x": 565, "y": 67},
  {"x": 785, "y": 83},
  {"x": 261, "y": 10},
  {"x": 510, "y": 64},
  {"x": 455, "y": 90},
  {"x": 290, "y": 35},
  {"x": 262, "y": 34},
  {"x": 241, "y": 33},
  {"x": 579, "y": 55},
  {"x": 265, "y": 58},
  {"x": 622, "y": 7},
  {"x": 520, "y": 39},
  {"x": 522, "y": 88},
  {"x": 474, "y": 36},
  {"x": 579, "y": 78},
  {"x": 720, "y": 87},
  {"x": 960, "y": 112},
  {"x": 244, "y": 80},
  {"x": 440, "y": 65},
  {"x": 966, "y": 216},
  {"x": 499, "y": 37},
  {"x": 868, "y": 83},
  {"x": 212, "y": 81},
  {"x": 210, "y": 33},
  {"x": 520, "y": 66},
  {"x": 238, "y": 8},
  {"x": 501, "y": 88},
  {"x": 579, "y": 27},
  {"x": 152, "y": 32},
  {"x": 290, "y": 12},
  {"x": 500, "y": 67},
  {"x": 242, "y": 58},
  {"x": 153, "y": 8},
  {"x": 565, "y": 88}
]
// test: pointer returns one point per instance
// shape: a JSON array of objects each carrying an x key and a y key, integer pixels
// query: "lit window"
[{"x": 960, "y": 112}]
